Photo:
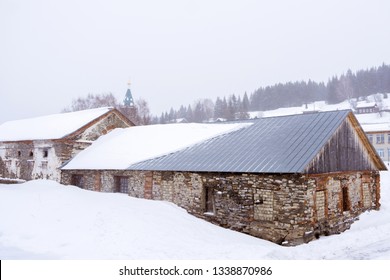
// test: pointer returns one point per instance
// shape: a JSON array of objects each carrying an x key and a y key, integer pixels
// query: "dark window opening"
[
  {"x": 31, "y": 154},
  {"x": 345, "y": 199},
  {"x": 209, "y": 200},
  {"x": 19, "y": 153},
  {"x": 78, "y": 180},
  {"x": 45, "y": 153},
  {"x": 122, "y": 184}
]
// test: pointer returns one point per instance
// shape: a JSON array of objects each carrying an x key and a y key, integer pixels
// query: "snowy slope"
[{"x": 45, "y": 220}]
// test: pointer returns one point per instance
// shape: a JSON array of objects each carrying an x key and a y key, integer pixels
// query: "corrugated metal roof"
[{"x": 271, "y": 145}]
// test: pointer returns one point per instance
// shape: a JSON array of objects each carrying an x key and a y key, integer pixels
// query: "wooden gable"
[{"x": 348, "y": 149}]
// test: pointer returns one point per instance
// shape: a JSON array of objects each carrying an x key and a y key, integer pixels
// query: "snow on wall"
[{"x": 45, "y": 167}]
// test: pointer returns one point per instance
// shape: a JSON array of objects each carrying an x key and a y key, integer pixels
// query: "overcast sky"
[{"x": 177, "y": 51}]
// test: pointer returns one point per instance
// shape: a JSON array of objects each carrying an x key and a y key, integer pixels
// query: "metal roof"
[{"x": 271, "y": 145}]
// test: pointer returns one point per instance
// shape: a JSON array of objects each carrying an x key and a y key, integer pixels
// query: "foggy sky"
[{"x": 177, "y": 51}]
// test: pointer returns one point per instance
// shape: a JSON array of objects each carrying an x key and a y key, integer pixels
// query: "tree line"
[
  {"x": 347, "y": 86},
  {"x": 234, "y": 107}
]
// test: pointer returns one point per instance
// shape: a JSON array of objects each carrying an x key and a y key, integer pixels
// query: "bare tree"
[
  {"x": 138, "y": 114},
  {"x": 379, "y": 103},
  {"x": 93, "y": 101},
  {"x": 143, "y": 113},
  {"x": 345, "y": 89}
]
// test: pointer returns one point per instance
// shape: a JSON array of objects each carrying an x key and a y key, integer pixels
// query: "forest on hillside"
[
  {"x": 236, "y": 107},
  {"x": 338, "y": 88}
]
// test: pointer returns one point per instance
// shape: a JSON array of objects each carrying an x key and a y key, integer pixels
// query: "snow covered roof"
[
  {"x": 366, "y": 105},
  {"x": 376, "y": 127},
  {"x": 125, "y": 146},
  {"x": 49, "y": 127}
]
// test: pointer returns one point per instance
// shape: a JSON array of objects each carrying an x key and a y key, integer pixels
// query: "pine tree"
[
  {"x": 189, "y": 115},
  {"x": 218, "y": 108}
]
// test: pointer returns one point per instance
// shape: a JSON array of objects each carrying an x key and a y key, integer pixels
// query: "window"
[
  {"x": 19, "y": 153},
  {"x": 388, "y": 138},
  {"x": 209, "y": 200},
  {"x": 345, "y": 199},
  {"x": 371, "y": 138},
  {"x": 45, "y": 153},
  {"x": 380, "y": 138},
  {"x": 388, "y": 154},
  {"x": 121, "y": 184},
  {"x": 381, "y": 152},
  {"x": 78, "y": 180},
  {"x": 31, "y": 154}
]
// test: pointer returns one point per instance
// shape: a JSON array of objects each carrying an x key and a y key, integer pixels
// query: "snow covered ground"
[{"x": 46, "y": 220}]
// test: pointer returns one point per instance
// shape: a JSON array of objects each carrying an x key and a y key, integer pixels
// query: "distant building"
[
  {"x": 180, "y": 120},
  {"x": 366, "y": 108},
  {"x": 379, "y": 136},
  {"x": 285, "y": 179},
  {"x": 36, "y": 148}
]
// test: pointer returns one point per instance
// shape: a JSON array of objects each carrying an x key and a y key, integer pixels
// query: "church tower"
[
  {"x": 128, "y": 108},
  {"x": 128, "y": 101}
]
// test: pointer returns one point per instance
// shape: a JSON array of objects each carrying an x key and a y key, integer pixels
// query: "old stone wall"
[
  {"x": 341, "y": 197},
  {"x": 102, "y": 126},
  {"x": 287, "y": 209},
  {"x": 40, "y": 159},
  {"x": 272, "y": 207}
]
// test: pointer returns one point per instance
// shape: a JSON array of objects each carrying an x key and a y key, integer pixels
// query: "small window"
[
  {"x": 31, "y": 154},
  {"x": 388, "y": 138},
  {"x": 345, "y": 199},
  {"x": 209, "y": 200},
  {"x": 78, "y": 180},
  {"x": 381, "y": 152},
  {"x": 380, "y": 138},
  {"x": 19, "y": 153},
  {"x": 45, "y": 153},
  {"x": 371, "y": 138},
  {"x": 44, "y": 165},
  {"x": 121, "y": 184}
]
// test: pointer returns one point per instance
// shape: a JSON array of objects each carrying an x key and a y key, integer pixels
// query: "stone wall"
[
  {"x": 102, "y": 126},
  {"x": 29, "y": 160},
  {"x": 287, "y": 209},
  {"x": 342, "y": 197}
]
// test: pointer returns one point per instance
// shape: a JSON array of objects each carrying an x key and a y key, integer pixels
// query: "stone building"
[
  {"x": 36, "y": 148},
  {"x": 285, "y": 179}
]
